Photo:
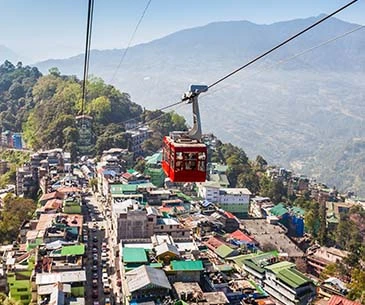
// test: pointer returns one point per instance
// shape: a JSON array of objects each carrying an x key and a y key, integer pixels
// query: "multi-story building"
[
  {"x": 209, "y": 191},
  {"x": 235, "y": 200},
  {"x": 287, "y": 285},
  {"x": 130, "y": 220},
  {"x": 137, "y": 137},
  {"x": 319, "y": 257},
  {"x": 26, "y": 180}
]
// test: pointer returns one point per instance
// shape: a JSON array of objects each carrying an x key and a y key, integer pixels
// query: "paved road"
[
  {"x": 103, "y": 235},
  {"x": 96, "y": 237}
]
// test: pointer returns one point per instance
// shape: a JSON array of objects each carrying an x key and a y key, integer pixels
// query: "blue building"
[{"x": 17, "y": 140}]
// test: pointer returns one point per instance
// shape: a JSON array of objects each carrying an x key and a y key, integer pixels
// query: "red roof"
[
  {"x": 50, "y": 196},
  {"x": 53, "y": 204},
  {"x": 127, "y": 176},
  {"x": 69, "y": 189},
  {"x": 213, "y": 243},
  {"x": 229, "y": 215},
  {"x": 338, "y": 300},
  {"x": 239, "y": 235}
]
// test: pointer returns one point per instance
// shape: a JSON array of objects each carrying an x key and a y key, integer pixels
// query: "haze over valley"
[{"x": 306, "y": 113}]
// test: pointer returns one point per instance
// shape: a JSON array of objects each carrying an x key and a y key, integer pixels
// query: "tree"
[
  {"x": 322, "y": 235},
  {"x": 311, "y": 220},
  {"x": 93, "y": 183},
  {"x": 16, "y": 210},
  {"x": 260, "y": 163},
  {"x": 357, "y": 285},
  {"x": 140, "y": 165},
  {"x": 54, "y": 71}
]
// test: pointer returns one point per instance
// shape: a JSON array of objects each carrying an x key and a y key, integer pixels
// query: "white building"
[
  {"x": 287, "y": 285},
  {"x": 209, "y": 190},
  {"x": 235, "y": 200}
]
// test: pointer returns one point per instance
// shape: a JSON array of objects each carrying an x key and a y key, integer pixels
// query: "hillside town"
[{"x": 107, "y": 233}]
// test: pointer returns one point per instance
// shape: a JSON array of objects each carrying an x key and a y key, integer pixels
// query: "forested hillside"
[
  {"x": 16, "y": 94},
  {"x": 44, "y": 109}
]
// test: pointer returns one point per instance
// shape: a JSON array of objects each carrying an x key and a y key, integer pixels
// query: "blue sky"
[{"x": 42, "y": 29}]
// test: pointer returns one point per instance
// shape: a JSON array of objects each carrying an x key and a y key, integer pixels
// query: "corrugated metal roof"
[
  {"x": 134, "y": 255},
  {"x": 122, "y": 188},
  {"x": 223, "y": 251},
  {"x": 145, "y": 276},
  {"x": 187, "y": 265},
  {"x": 338, "y": 300},
  {"x": 165, "y": 248},
  {"x": 63, "y": 277},
  {"x": 292, "y": 277},
  {"x": 276, "y": 268},
  {"x": 279, "y": 210},
  {"x": 239, "y": 235}
]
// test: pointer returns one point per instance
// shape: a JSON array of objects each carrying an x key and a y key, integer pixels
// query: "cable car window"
[
  {"x": 190, "y": 165},
  {"x": 172, "y": 158},
  {"x": 201, "y": 156},
  {"x": 190, "y": 161},
  {"x": 179, "y": 155},
  {"x": 166, "y": 151},
  {"x": 201, "y": 166},
  {"x": 189, "y": 156},
  {"x": 179, "y": 166}
]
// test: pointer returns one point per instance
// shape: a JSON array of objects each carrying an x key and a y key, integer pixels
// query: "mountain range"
[{"x": 305, "y": 112}]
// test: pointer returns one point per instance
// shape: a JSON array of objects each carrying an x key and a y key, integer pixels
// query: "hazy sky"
[{"x": 43, "y": 29}]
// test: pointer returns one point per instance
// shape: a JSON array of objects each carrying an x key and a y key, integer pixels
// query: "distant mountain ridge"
[
  {"x": 299, "y": 114},
  {"x": 8, "y": 54}
]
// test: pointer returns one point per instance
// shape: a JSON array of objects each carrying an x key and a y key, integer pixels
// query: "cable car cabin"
[{"x": 184, "y": 159}]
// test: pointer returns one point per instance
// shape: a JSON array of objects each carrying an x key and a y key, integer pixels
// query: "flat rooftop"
[{"x": 273, "y": 235}]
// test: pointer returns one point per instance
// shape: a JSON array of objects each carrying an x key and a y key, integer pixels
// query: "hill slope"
[{"x": 301, "y": 114}]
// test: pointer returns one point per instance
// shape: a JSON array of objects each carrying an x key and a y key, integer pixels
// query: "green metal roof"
[
  {"x": 239, "y": 259},
  {"x": 259, "y": 261},
  {"x": 134, "y": 255},
  {"x": 154, "y": 159},
  {"x": 279, "y": 210},
  {"x": 298, "y": 211},
  {"x": 292, "y": 277},
  {"x": 118, "y": 189},
  {"x": 253, "y": 266},
  {"x": 73, "y": 250},
  {"x": 187, "y": 265},
  {"x": 183, "y": 196},
  {"x": 223, "y": 251},
  {"x": 156, "y": 265},
  {"x": 276, "y": 268}
]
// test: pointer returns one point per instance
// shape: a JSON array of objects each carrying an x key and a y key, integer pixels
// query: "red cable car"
[{"x": 184, "y": 157}]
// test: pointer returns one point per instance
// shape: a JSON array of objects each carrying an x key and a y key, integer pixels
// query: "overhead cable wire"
[
  {"x": 281, "y": 44},
  {"x": 87, "y": 52},
  {"x": 280, "y": 62},
  {"x": 287, "y": 59},
  {"x": 270, "y": 51},
  {"x": 130, "y": 40}
]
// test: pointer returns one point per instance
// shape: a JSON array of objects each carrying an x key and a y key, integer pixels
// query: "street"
[{"x": 101, "y": 265}]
